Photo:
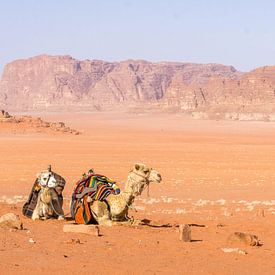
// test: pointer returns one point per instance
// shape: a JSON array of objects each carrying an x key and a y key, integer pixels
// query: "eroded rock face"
[
  {"x": 48, "y": 82},
  {"x": 248, "y": 96},
  {"x": 4, "y": 114},
  {"x": 63, "y": 83}
]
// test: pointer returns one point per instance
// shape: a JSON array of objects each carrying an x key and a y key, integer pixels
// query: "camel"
[
  {"x": 116, "y": 207},
  {"x": 49, "y": 200}
]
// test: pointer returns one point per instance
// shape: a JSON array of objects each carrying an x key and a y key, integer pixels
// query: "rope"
[
  {"x": 56, "y": 212},
  {"x": 130, "y": 206},
  {"x": 145, "y": 177}
]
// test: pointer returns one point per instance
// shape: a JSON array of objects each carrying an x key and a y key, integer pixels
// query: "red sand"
[{"x": 214, "y": 173}]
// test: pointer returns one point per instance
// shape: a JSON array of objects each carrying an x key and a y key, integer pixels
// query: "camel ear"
[
  {"x": 38, "y": 175},
  {"x": 137, "y": 166}
]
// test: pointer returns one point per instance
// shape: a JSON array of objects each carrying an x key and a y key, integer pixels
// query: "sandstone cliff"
[{"x": 207, "y": 90}]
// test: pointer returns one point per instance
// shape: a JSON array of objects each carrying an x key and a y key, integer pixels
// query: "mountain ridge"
[{"x": 48, "y": 82}]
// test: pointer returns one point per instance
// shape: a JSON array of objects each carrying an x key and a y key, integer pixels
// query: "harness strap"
[
  {"x": 139, "y": 175},
  {"x": 85, "y": 191},
  {"x": 48, "y": 179},
  {"x": 54, "y": 210}
]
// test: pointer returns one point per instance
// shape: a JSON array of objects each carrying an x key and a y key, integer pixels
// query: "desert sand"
[{"x": 219, "y": 174}]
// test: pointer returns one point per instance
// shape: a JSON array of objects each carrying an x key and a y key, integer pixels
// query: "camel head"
[
  {"x": 47, "y": 179},
  {"x": 141, "y": 176}
]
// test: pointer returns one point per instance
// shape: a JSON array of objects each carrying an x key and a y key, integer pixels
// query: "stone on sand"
[
  {"x": 11, "y": 221},
  {"x": 240, "y": 238},
  {"x": 185, "y": 233},
  {"x": 82, "y": 228}
]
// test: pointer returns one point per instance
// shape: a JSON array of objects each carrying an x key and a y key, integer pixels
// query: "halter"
[
  {"x": 131, "y": 171},
  {"x": 47, "y": 181},
  {"x": 50, "y": 174},
  {"x": 147, "y": 182}
]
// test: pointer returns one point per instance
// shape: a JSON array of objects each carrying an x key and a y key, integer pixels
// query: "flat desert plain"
[{"x": 219, "y": 174}]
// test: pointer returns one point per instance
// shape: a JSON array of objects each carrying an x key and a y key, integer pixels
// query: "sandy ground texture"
[{"x": 215, "y": 173}]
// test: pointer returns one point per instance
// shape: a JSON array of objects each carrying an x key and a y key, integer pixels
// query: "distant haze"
[{"x": 238, "y": 33}]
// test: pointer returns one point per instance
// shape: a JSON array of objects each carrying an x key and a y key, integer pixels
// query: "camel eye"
[
  {"x": 45, "y": 179},
  {"x": 146, "y": 171}
]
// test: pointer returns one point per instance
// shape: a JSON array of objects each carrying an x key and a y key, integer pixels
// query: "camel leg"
[
  {"x": 101, "y": 213},
  {"x": 104, "y": 221},
  {"x": 38, "y": 210},
  {"x": 46, "y": 211},
  {"x": 35, "y": 214},
  {"x": 127, "y": 222}
]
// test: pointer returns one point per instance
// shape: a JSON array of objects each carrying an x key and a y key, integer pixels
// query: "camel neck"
[
  {"x": 128, "y": 196},
  {"x": 128, "y": 193}
]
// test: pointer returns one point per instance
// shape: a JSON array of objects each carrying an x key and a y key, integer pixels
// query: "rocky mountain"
[
  {"x": 203, "y": 90},
  {"x": 247, "y": 96}
]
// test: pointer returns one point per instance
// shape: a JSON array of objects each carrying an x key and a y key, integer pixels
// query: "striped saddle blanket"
[
  {"x": 94, "y": 186},
  {"x": 98, "y": 187}
]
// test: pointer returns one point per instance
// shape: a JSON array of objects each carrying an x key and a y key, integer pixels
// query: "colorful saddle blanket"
[
  {"x": 94, "y": 186},
  {"x": 97, "y": 187}
]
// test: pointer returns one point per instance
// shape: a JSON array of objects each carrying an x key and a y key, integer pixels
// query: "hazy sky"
[{"x": 232, "y": 32}]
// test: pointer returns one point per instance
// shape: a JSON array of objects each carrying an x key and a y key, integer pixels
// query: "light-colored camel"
[
  {"x": 48, "y": 203},
  {"x": 117, "y": 206}
]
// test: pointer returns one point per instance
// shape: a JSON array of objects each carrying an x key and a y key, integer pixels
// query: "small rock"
[
  {"x": 243, "y": 239},
  {"x": 31, "y": 240},
  {"x": 220, "y": 225},
  {"x": 241, "y": 251},
  {"x": 237, "y": 250},
  {"x": 185, "y": 233},
  {"x": 10, "y": 220},
  {"x": 73, "y": 241},
  {"x": 4, "y": 114},
  {"x": 82, "y": 228}
]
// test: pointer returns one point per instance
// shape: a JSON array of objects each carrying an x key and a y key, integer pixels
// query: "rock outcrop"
[
  {"x": 250, "y": 96},
  {"x": 29, "y": 122},
  {"x": 11, "y": 221},
  {"x": 203, "y": 90}
]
